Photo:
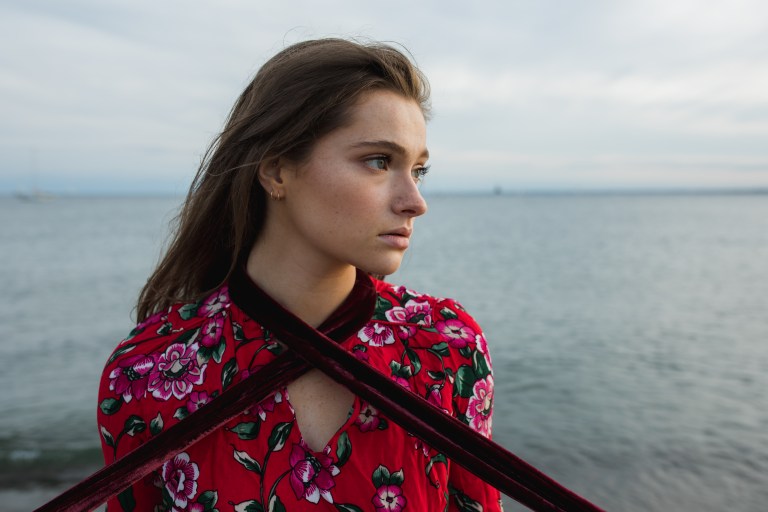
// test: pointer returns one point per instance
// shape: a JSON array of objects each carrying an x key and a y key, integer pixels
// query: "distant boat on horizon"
[{"x": 34, "y": 196}]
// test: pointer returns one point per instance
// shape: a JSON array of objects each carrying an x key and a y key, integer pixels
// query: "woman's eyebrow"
[{"x": 394, "y": 147}]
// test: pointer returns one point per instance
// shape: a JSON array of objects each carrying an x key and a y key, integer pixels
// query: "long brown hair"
[{"x": 301, "y": 94}]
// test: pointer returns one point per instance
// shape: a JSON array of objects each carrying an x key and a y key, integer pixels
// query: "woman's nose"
[{"x": 409, "y": 200}]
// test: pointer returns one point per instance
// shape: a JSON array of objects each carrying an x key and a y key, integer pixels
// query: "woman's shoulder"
[
  {"x": 398, "y": 303},
  {"x": 179, "y": 323},
  {"x": 443, "y": 346},
  {"x": 437, "y": 317},
  {"x": 183, "y": 338}
]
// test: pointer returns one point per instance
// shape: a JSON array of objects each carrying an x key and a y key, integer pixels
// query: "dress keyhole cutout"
[{"x": 321, "y": 406}]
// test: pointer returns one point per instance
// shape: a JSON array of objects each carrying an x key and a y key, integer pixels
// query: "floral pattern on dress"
[
  {"x": 312, "y": 473},
  {"x": 176, "y": 372},
  {"x": 181, "y": 359}
]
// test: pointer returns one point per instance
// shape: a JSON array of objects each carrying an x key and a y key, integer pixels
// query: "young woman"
[{"x": 311, "y": 189}]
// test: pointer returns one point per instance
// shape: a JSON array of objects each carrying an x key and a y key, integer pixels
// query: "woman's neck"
[{"x": 311, "y": 292}]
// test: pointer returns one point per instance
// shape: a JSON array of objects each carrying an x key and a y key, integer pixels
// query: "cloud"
[{"x": 137, "y": 89}]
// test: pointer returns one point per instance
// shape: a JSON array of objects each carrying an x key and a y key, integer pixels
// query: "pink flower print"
[
  {"x": 247, "y": 372},
  {"x": 175, "y": 372},
  {"x": 268, "y": 405},
  {"x": 368, "y": 419},
  {"x": 180, "y": 479},
  {"x": 412, "y": 312},
  {"x": 482, "y": 344},
  {"x": 197, "y": 400},
  {"x": 435, "y": 397},
  {"x": 482, "y": 347},
  {"x": 215, "y": 303},
  {"x": 402, "y": 381},
  {"x": 155, "y": 318},
  {"x": 480, "y": 406},
  {"x": 406, "y": 331},
  {"x": 402, "y": 290},
  {"x": 360, "y": 353},
  {"x": 420, "y": 445},
  {"x": 312, "y": 473},
  {"x": 131, "y": 376},
  {"x": 458, "y": 333},
  {"x": 389, "y": 498},
  {"x": 212, "y": 331},
  {"x": 377, "y": 335}
]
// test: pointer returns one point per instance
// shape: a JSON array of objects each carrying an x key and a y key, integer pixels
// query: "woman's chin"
[{"x": 381, "y": 269}]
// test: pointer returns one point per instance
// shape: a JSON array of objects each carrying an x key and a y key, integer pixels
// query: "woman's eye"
[
  {"x": 419, "y": 172},
  {"x": 379, "y": 162}
]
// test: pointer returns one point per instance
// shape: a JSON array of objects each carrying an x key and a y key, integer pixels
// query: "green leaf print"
[
  {"x": 415, "y": 361},
  {"x": 440, "y": 349},
  {"x": 237, "y": 332},
  {"x": 438, "y": 376},
  {"x": 380, "y": 476},
  {"x": 247, "y": 431},
  {"x": 165, "y": 329},
  {"x": 343, "y": 449},
  {"x": 480, "y": 365},
  {"x": 208, "y": 500},
  {"x": 228, "y": 372},
  {"x": 187, "y": 337},
  {"x": 204, "y": 354},
  {"x": 218, "y": 352},
  {"x": 188, "y": 311},
  {"x": 275, "y": 505},
  {"x": 108, "y": 439},
  {"x": 181, "y": 413},
  {"x": 248, "y": 506},
  {"x": 465, "y": 352},
  {"x": 448, "y": 314},
  {"x": 400, "y": 370},
  {"x": 279, "y": 435},
  {"x": 247, "y": 461},
  {"x": 127, "y": 501},
  {"x": 464, "y": 503},
  {"x": 396, "y": 478},
  {"x": 465, "y": 381},
  {"x": 382, "y": 306},
  {"x": 156, "y": 425},
  {"x": 136, "y": 330},
  {"x": 346, "y": 507},
  {"x": 110, "y": 406},
  {"x": 122, "y": 350},
  {"x": 439, "y": 458},
  {"x": 134, "y": 425}
]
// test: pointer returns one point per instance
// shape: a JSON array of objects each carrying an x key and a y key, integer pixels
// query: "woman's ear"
[{"x": 271, "y": 176}]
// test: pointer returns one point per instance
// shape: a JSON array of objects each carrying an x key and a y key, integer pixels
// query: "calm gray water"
[{"x": 629, "y": 335}]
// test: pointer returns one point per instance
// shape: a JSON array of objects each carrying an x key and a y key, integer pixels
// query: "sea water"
[{"x": 629, "y": 334}]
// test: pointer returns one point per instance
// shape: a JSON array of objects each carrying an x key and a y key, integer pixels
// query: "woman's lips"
[{"x": 398, "y": 238}]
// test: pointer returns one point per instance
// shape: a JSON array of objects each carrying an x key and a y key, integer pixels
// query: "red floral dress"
[{"x": 180, "y": 359}]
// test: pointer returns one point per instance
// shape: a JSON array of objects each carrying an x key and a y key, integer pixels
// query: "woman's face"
[{"x": 353, "y": 201}]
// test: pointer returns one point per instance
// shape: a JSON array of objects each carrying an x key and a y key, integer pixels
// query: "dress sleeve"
[
  {"x": 126, "y": 418},
  {"x": 472, "y": 401}
]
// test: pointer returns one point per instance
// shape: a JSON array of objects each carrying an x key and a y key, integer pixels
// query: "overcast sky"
[{"x": 124, "y": 96}]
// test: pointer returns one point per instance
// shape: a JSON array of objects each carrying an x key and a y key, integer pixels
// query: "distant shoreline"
[{"x": 501, "y": 192}]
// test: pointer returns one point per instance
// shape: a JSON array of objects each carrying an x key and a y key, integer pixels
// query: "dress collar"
[{"x": 356, "y": 310}]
